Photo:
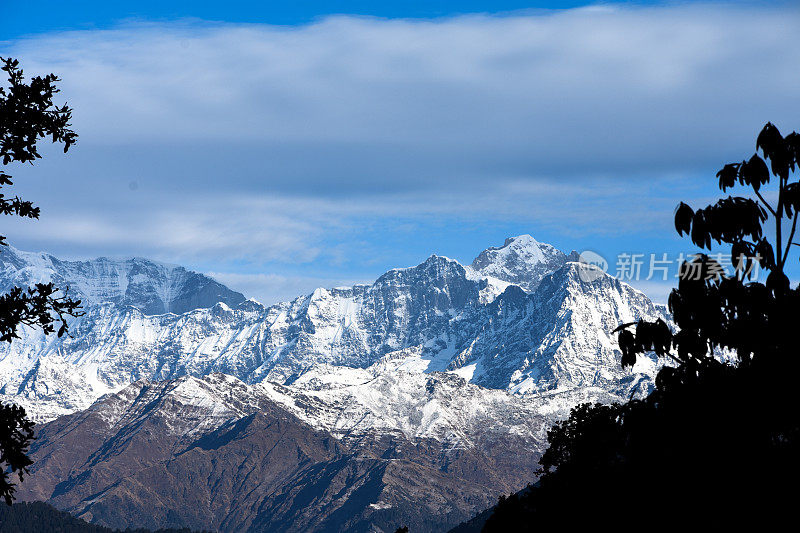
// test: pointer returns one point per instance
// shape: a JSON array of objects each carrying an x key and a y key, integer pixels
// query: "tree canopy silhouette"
[
  {"x": 716, "y": 442},
  {"x": 27, "y": 115}
]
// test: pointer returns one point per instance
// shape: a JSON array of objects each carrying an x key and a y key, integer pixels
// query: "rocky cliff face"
[{"x": 559, "y": 337}]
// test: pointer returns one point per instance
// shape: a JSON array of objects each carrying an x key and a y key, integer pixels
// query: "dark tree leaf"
[
  {"x": 765, "y": 254},
  {"x": 727, "y": 176},
  {"x": 777, "y": 282},
  {"x": 683, "y": 219},
  {"x": 755, "y": 172},
  {"x": 769, "y": 140}
]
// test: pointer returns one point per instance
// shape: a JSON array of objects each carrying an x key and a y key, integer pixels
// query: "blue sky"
[
  {"x": 23, "y": 18},
  {"x": 286, "y": 147}
]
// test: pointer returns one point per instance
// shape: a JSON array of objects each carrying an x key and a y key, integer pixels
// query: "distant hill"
[{"x": 38, "y": 517}]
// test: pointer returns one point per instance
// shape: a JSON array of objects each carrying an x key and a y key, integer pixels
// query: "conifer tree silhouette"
[
  {"x": 716, "y": 444},
  {"x": 27, "y": 114}
]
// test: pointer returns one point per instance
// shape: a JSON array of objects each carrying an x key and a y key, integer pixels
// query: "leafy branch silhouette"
[
  {"x": 716, "y": 311},
  {"x": 27, "y": 115}
]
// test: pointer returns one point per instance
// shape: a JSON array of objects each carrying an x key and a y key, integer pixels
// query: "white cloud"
[
  {"x": 295, "y": 230},
  {"x": 582, "y": 89},
  {"x": 260, "y": 144}
]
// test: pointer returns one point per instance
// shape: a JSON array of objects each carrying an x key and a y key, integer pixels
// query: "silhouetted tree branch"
[
  {"x": 715, "y": 311},
  {"x": 16, "y": 432},
  {"x": 27, "y": 114}
]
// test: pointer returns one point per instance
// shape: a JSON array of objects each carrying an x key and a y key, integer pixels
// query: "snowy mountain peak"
[
  {"x": 434, "y": 267},
  {"x": 150, "y": 286},
  {"x": 522, "y": 260},
  {"x": 522, "y": 241}
]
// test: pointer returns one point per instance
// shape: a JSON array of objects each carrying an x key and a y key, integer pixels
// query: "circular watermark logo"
[{"x": 592, "y": 266}]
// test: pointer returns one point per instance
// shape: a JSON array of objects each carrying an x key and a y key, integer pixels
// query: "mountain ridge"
[
  {"x": 213, "y": 452},
  {"x": 442, "y": 315},
  {"x": 153, "y": 287},
  {"x": 417, "y": 399}
]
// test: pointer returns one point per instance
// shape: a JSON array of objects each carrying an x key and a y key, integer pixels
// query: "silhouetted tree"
[
  {"x": 715, "y": 444},
  {"x": 27, "y": 114},
  {"x": 715, "y": 311}
]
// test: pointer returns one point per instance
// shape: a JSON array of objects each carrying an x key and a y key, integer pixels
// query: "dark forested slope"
[{"x": 38, "y": 517}]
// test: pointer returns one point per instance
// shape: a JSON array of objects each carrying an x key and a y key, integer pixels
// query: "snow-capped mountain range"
[
  {"x": 520, "y": 319},
  {"x": 416, "y": 399},
  {"x": 150, "y": 286}
]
